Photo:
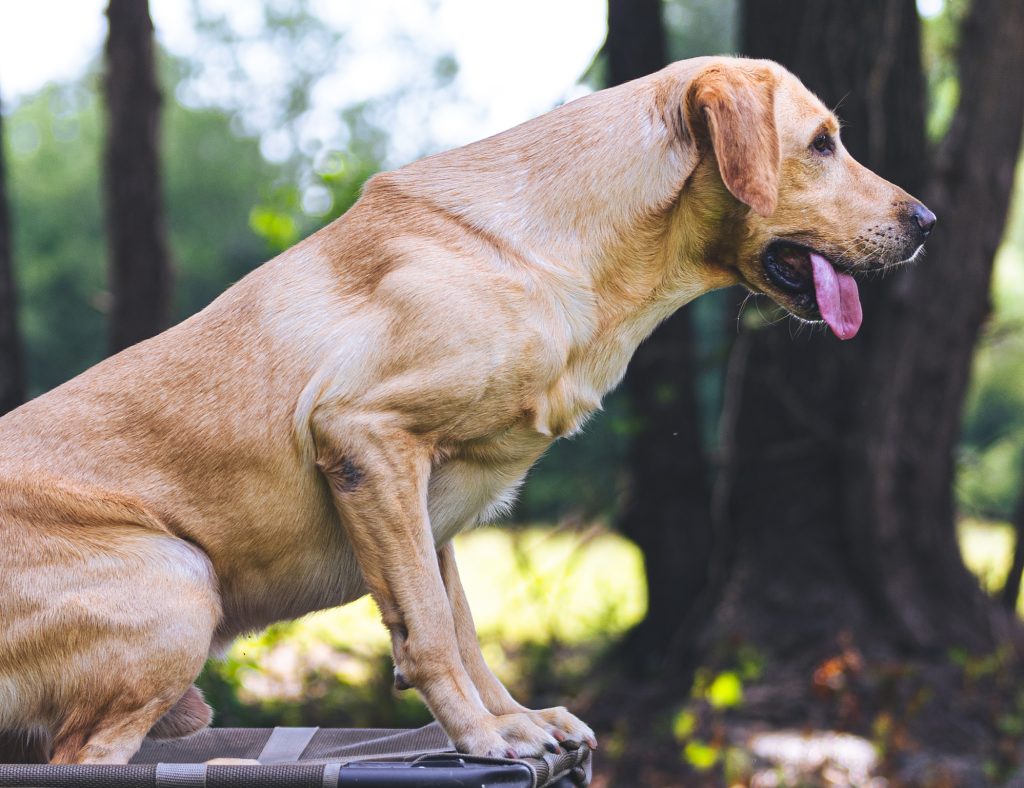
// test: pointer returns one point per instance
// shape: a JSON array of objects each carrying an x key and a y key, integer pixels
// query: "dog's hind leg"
[
  {"x": 189, "y": 715},
  {"x": 140, "y": 662},
  {"x": 111, "y": 643},
  {"x": 113, "y": 738},
  {"x": 108, "y": 724}
]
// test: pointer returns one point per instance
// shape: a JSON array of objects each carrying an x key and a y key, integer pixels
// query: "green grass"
[{"x": 545, "y": 600}]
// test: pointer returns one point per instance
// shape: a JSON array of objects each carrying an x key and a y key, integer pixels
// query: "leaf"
[
  {"x": 684, "y": 724},
  {"x": 699, "y": 755},
  {"x": 277, "y": 228},
  {"x": 725, "y": 691}
]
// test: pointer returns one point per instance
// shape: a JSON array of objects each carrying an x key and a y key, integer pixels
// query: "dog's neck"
[
  {"x": 618, "y": 244},
  {"x": 640, "y": 280}
]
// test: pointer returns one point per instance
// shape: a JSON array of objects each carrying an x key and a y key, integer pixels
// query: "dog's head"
[{"x": 813, "y": 216}]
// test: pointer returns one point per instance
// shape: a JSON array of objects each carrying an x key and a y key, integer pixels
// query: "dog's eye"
[{"x": 824, "y": 144}]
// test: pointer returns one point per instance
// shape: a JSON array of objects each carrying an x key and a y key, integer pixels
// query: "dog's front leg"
[
  {"x": 378, "y": 480},
  {"x": 558, "y": 721}
]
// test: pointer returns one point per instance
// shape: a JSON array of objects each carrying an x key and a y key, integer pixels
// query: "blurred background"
[{"x": 773, "y": 559}]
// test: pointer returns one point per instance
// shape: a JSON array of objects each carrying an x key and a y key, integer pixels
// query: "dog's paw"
[
  {"x": 564, "y": 726},
  {"x": 507, "y": 736}
]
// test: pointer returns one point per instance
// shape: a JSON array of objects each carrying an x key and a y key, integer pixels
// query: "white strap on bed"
[
  {"x": 332, "y": 773},
  {"x": 286, "y": 745},
  {"x": 181, "y": 775}
]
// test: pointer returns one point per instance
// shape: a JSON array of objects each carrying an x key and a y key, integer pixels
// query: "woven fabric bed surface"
[
  {"x": 292, "y": 758},
  {"x": 326, "y": 745}
]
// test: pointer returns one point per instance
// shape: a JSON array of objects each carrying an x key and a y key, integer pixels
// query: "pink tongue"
[{"x": 838, "y": 299}]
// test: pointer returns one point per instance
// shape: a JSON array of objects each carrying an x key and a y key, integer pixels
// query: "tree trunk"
[
  {"x": 12, "y": 376},
  {"x": 667, "y": 512},
  {"x": 139, "y": 274},
  {"x": 635, "y": 45},
  {"x": 840, "y": 461}
]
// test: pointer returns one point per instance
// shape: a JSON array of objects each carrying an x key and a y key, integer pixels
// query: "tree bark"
[
  {"x": 840, "y": 468},
  {"x": 12, "y": 375},
  {"x": 667, "y": 510},
  {"x": 636, "y": 44},
  {"x": 139, "y": 273}
]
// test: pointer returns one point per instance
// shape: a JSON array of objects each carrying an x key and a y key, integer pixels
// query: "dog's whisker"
[{"x": 743, "y": 303}]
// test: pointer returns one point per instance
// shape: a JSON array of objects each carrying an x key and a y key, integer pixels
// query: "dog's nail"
[
  {"x": 559, "y": 736},
  {"x": 510, "y": 754},
  {"x": 592, "y": 742}
]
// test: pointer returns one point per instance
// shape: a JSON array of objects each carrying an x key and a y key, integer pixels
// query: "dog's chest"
[{"x": 478, "y": 482}]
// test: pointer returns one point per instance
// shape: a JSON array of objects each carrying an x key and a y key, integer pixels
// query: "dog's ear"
[{"x": 732, "y": 108}]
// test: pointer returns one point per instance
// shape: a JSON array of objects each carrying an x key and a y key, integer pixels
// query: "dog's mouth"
[{"x": 817, "y": 288}]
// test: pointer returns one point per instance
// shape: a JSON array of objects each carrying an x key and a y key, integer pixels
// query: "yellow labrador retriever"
[{"x": 326, "y": 426}]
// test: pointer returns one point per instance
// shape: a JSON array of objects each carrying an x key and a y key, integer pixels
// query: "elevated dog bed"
[{"x": 310, "y": 758}]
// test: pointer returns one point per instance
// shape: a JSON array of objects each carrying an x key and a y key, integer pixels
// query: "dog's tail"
[{"x": 189, "y": 715}]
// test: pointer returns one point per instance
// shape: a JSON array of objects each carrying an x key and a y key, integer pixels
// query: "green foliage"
[
  {"x": 57, "y": 221},
  {"x": 342, "y": 173},
  {"x": 212, "y": 179},
  {"x": 699, "y": 725},
  {"x": 989, "y": 479},
  {"x": 274, "y": 219},
  {"x": 700, "y": 755},
  {"x": 725, "y": 691},
  {"x": 684, "y": 724}
]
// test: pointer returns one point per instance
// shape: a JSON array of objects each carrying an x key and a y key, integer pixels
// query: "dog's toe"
[
  {"x": 566, "y": 727},
  {"x": 509, "y": 736}
]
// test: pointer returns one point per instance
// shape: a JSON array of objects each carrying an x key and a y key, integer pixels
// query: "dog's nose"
[{"x": 925, "y": 219}]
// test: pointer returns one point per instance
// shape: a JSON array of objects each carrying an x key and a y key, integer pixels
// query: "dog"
[{"x": 326, "y": 426}]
